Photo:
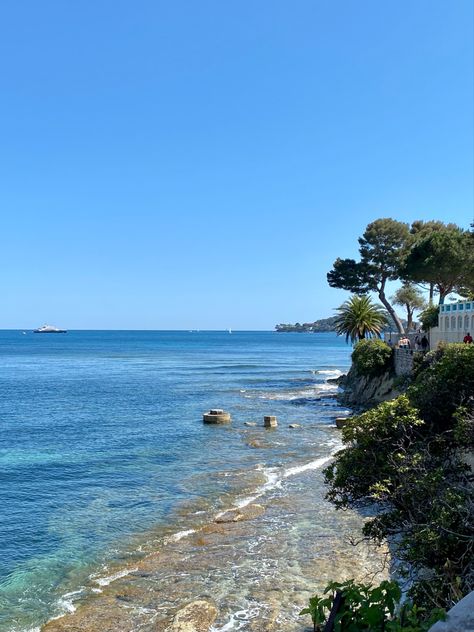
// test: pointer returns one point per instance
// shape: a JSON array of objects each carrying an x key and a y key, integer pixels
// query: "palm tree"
[{"x": 360, "y": 318}]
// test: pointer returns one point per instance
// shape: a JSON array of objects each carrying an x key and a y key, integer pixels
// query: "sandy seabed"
[{"x": 257, "y": 563}]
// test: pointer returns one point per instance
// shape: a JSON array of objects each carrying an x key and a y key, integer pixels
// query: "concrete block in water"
[
  {"x": 270, "y": 421},
  {"x": 216, "y": 416}
]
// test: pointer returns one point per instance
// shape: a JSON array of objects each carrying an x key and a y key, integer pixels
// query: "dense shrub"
[
  {"x": 429, "y": 317},
  {"x": 372, "y": 357},
  {"x": 406, "y": 456},
  {"x": 355, "y": 474},
  {"x": 445, "y": 383},
  {"x": 367, "y": 608}
]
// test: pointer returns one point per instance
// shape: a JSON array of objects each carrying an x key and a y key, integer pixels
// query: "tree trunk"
[
  {"x": 410, "y": 313},
  {"x": 431, "y": 294},
  {"x": 389, "y": 308},
  {"x": 444, "y": 290}
]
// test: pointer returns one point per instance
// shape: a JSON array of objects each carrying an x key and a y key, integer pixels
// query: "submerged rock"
[
  {"x": 197, "y": 616},
  {"x": 254, "y": 443},
  {"x": 294, "y": 426},
  {"x": 243, "y": 513},
  {"x": 337, "y": 380},
  {"x": 250, "y": 423}
]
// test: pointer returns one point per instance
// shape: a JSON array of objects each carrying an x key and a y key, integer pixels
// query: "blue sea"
[{"x": 104, "y": 456}]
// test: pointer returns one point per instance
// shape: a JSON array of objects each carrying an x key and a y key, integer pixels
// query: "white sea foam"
[
  {"x": 176, "y": 537},
  {"x": 326, "y": 387},
  {"x": 66, "y": 604},
  {"x": 334, "y": 443},
  {"x": 237, "y": 620},
  {"x": 274, "y": 479},
  {"x": 105, "y": 581},
  {"x": 334, "y": 372},
  {"x": 312, "y": 465},
  {"x": 311, "y": 391}
]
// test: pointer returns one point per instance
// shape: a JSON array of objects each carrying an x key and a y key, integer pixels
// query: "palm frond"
[{"x": 359, "y": 317}]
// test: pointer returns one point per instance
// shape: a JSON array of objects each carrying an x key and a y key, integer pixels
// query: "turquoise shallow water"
[{"x": 102, "y": 441}]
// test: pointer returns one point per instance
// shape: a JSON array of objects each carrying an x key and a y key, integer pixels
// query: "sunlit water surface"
[{"x": 104, "y": 459}]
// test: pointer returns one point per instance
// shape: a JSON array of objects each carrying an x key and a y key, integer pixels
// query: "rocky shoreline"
[
  {"x": 360, "y": 392},
  {"x": 251, "y": 567},
  {"x": 199, "y": 581}
]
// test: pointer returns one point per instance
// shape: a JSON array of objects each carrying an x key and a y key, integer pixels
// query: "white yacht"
[{"x": 49, "y": 329}]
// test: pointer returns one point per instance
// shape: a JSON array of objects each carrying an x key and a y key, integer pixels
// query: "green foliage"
[
  {"x": 409, "y": 297},
  {"x": 359, "y": 318},
  {"x": 432, "y": 253},
  {"x": 419, "y": 363},
  {"x": 366, "y": 608},
  {"x": 429, "y": 317},
  {"x": 382, "y": 246},
  {"x": 438, "y": 257},
  {"x": 444, "y": 386},
  {"x": 420, "y": 228},
  {"x": 466, "y": 286},
  {"x": 372, "y": 357},
  {"x": 365, "y": 469},
  {"x": 353, "y": 276},
  {"x": 382, "y": 249},
  {"x": 405, "y": 456}
]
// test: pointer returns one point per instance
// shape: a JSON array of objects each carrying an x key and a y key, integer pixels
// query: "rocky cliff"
[{"x": 361, "y": 391}]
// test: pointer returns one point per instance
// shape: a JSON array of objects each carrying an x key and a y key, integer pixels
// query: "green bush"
[
  {"x": 444, "y": 384},
  {"x": 377, "y": 442},
  {"x": 372, "y": 357},
  {"x": 406, "y": 456},
  {"x": 429, "y": 317},
  {"x": 365, "y": 608}
]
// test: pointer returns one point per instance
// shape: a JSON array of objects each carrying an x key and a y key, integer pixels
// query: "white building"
[{"x": 455, "y": 320}]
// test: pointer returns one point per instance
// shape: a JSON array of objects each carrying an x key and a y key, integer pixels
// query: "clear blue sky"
[{"x": 201, "y": 164}]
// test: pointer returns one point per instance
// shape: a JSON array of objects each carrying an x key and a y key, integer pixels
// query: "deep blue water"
[{"x": 102, "y": 440}]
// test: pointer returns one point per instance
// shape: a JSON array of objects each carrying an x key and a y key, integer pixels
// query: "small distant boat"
[
  {"x": 49, "y": 329},
  {"x": 229, "y": 330}
]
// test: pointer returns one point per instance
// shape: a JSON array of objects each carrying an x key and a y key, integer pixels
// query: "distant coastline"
[{"x": 321, "y": 325}]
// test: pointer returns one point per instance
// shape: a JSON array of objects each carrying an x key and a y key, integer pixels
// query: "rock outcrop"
[
  {"x": 361, "y": 391},
  {"x": 249, "y": 512},
  {"x": 197, "y": 616}
]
